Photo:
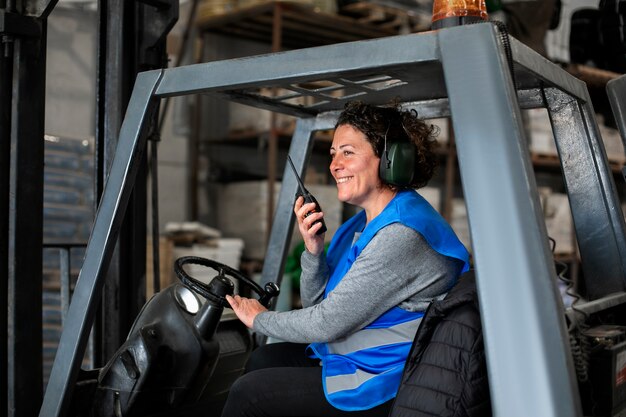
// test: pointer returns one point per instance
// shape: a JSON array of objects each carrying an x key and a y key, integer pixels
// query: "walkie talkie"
[{"x": 308, "y": 197}]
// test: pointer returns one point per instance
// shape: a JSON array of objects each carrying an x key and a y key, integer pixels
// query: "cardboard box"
[
  {"x": 559, "y": 222},
  {"x": 540, "y": 132},
  {"x": 223, "y": 250},
  {"x": 460, "y": 223},
  {"x": 613, "y": 144},
  {"x": 166, "y": 265},
  {"x": 432, "y": 195}
]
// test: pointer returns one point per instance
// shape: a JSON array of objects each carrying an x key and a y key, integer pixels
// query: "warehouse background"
[
  {"x": 230, "y": 164},
  {"x": 215, "y": 154}
]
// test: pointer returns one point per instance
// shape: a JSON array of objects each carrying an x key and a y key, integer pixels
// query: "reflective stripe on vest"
[
  {"x": 371, "y": 338},
  {"x": 347, "y": 382}
]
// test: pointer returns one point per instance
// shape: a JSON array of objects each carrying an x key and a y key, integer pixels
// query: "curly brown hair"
[{"x": 398, "y": 125}]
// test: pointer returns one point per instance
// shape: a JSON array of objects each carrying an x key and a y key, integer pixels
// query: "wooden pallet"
[
  {"x": 595, "y": 77},
  {"x": 208, "y": 9},
  {"x": 616, "y": 163},
  {"x": 387, "y": 17},
  {"x": 302, "y": 25},
  {"x": 545, "y": 159}
]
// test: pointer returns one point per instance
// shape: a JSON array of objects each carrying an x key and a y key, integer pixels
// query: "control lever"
[{"x": 271, "y": 290}]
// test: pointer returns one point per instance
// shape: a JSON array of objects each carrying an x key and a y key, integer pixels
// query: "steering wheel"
[{"x": 220, "y": 286}]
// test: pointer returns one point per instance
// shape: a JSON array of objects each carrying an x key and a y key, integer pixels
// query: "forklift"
[{"x": 479, "y": 79}]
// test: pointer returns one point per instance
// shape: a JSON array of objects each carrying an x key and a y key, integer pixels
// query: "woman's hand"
[
  {"x": 246, "y": 309},
  {"x": 313, "y": 242}
]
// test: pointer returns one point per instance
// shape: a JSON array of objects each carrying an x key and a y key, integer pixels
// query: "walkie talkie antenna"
[
  {"x": 308, "y": 198},
  {"x": 300, "y": 184}
]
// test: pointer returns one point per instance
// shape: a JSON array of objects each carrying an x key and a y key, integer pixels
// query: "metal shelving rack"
[{"x": 460, "y": 72}]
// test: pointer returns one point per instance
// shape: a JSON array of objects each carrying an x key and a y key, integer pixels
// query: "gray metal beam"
[
  {"x": 6, "y": 81},
  {"x": 25, "y": 363},
  {"x": 99, "y": 250},
  {"x": 282, "y": 225},
  {"x": 528, "y": 358},
  {"x": 596, "y": 211},
  {"x": 131, "y": 39},
  {"x": 283, "y": 221},
  {"x": 581, "y": 311},
  {"x": 539, "y": 70},
  {"x": 22, "y": 79},
  {"x": 432, "y": 109},
  {"x": 114, "y": 81},
  {"x": 399, "y": 56},
  {"x": 616, "y": 91},
  {"x": 39, "y": 8},
  {"x": 289, "y": 67},
  {"x": 280, "y": 236},
  {"x": 17, "y": 25}
]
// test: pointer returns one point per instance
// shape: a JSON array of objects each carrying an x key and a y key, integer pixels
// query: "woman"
[{"x": 363, "y": 301}]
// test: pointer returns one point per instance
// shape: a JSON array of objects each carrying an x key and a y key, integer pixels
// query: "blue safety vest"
[{"x": 364, "y": 369}]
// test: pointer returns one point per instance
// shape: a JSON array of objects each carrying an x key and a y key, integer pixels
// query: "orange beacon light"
[{"x": 448, "y": 13}]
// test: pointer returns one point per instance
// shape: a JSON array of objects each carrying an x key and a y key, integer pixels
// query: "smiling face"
[{"x": 355, "y": 169}]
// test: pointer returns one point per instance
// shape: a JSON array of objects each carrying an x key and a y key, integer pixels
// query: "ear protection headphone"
[{"x": 397, "y": 162}]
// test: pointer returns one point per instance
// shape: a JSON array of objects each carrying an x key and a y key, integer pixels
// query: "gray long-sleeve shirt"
[{"x": 396, "y": 268}]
